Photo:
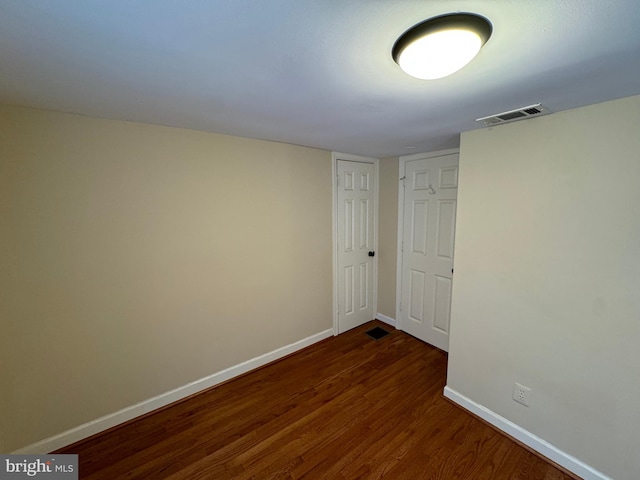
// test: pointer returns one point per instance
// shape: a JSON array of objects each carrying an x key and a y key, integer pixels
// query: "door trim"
[
  {"x": 335, "y": 156},
  {"x": 402, "y": 162}
]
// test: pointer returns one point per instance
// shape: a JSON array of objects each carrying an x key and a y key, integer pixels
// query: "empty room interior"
[{"x": 205, "y": 207}]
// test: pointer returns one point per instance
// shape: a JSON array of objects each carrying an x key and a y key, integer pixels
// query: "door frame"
[
  {"x": 335, "y": 156},
  {"x": 402, "y": 162}
]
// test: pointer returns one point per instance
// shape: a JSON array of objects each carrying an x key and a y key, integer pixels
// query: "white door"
[
  {"x": 355, "y": 235},
  {"x": 429, "y": 219}
]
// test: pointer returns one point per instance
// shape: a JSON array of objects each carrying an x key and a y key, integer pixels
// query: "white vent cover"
[{"x": 513, "y": 115}]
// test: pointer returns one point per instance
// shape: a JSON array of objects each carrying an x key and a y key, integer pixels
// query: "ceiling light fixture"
[{"x": 441, "y": 45}]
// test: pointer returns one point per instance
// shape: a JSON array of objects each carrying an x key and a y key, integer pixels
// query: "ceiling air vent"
[{"x": 513, "y": 115}]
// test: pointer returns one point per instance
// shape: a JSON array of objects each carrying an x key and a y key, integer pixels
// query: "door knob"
[{"x": 371, "y": 254}]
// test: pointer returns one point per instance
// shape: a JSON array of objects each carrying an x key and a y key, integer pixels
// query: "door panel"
[
  {"x": 355, "y": 241},
  {"x": 416, "y": 312},
  {"x": 348, "y": 290},
  {"x": 347, "y": 210},
  {"x": 446, "y": 228},
  {"x": 364, "y": 224},
  {"x": 428, "y": 232},
  {"x": 364, "y": 285},
  {"x": 442, "y": 306},
  {"x": 419, "y": 226}
]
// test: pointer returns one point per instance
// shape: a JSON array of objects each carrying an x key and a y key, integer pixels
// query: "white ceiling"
[{"x": 310, "y": 72}]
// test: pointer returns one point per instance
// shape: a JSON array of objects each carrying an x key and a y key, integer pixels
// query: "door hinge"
[
  {"x": 402, "y": 246},
  {"x": 338, "y": 180},
  {"x": 402, "y": 179}
]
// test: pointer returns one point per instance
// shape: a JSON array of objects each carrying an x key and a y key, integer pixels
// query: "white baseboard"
[
  {"x": 538, "y": 444},
  {"x": 385, "y": 319},
  {"x": 103, "y": 423}
]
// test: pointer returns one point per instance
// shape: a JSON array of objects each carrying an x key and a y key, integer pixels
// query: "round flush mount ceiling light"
[{"x": 441, "y": 45}]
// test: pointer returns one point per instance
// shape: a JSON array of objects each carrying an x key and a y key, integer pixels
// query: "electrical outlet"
[{"x": 521, "y": 394}]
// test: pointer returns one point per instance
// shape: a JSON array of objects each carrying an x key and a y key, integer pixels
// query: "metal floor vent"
[
  {"x": 377, "y": 333},
  {"x": 513, "y": 115}
]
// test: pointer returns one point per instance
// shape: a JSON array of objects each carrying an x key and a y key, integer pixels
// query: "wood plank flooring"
[{"x": 347, "y": 408}]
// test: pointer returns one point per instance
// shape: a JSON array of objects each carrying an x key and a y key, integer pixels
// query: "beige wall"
[
  {"x": 547, "y": 279},
  {"x": 138, "y": 258},
  {"x": 387, "y": 236}
]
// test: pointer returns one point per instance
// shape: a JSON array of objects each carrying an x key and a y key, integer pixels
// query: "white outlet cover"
[{"x": 521, "y": 394}]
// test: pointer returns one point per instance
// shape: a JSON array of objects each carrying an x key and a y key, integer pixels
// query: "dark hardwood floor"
[{"x": 349, "y": 407}]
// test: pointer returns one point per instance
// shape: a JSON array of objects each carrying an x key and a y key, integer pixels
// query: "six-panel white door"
[
  {"x": 429, "y": 218},
  {"x": 355, "y": 232}
]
